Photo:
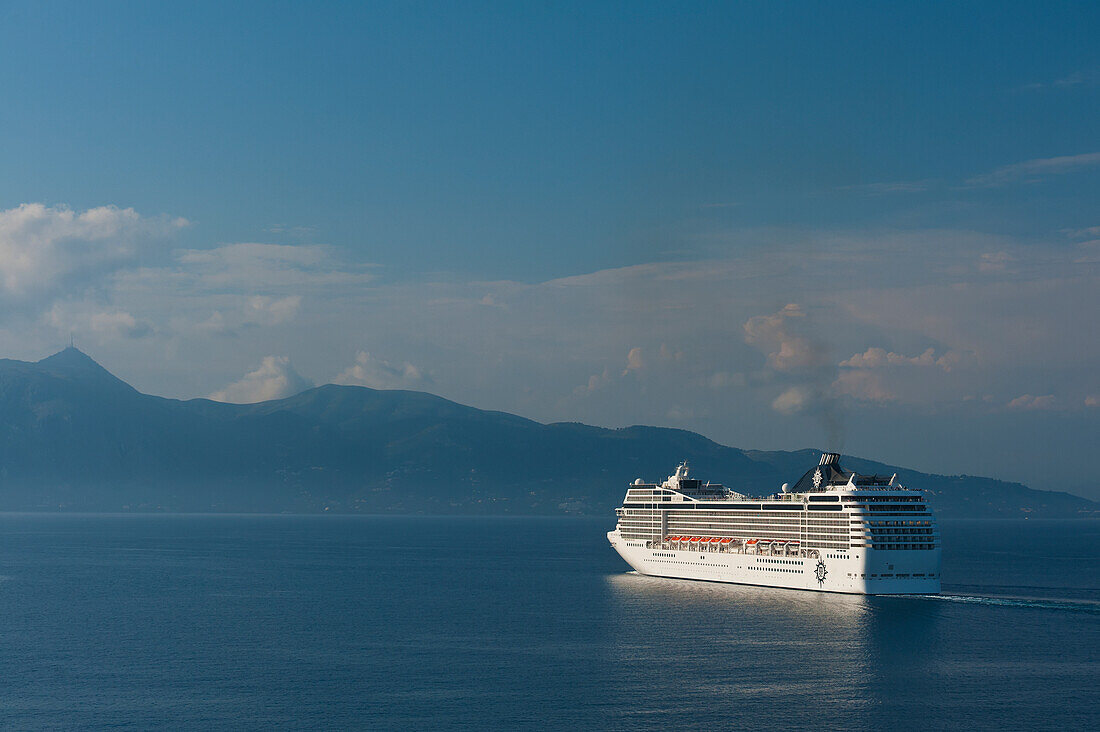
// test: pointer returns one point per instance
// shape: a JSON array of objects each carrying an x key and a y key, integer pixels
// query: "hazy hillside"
[{"x": 74, "y": 437}]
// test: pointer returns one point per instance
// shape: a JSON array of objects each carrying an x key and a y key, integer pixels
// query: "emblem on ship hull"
[
  {"x": 821, "y": 572},
  {"x": 818, "y": 478}
]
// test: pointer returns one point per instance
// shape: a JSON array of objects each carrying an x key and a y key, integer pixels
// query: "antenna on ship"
[{"x": 71, "y": 340}]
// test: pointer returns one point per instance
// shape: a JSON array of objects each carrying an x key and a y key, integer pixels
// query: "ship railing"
[{"x": 736, "y": 547}]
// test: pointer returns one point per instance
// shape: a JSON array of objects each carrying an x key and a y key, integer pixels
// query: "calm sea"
[{"x": 257, "y": 622}]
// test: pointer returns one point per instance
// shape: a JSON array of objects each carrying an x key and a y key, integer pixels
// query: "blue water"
[{"x": 246, "y": 622}]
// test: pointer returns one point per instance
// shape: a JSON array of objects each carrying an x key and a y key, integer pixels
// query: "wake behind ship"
[{"x": 833, "y": 531}]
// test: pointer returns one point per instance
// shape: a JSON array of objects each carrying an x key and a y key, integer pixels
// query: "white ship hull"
[{"x": 865, "y": 573}]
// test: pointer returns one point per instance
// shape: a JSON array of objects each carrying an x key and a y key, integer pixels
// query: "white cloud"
[
  {"x": 634, "y": 361},
  {"x": 274, "y": 379},
  {"x": 1086, "y": 233},
  {"x": 595, "y": 383},
  {"x": 272, "y": 311},
  {"x": 786, "y": 349},
  {"x": 1032, "y": 170},
  {"x": 294, "y": 232},
  {"x": 83, "y": 319},
  {"x": 863, "y": 385},
  {"x": 1027, "y": 401},
  {"x": 794, "y": 356},
  {"x": 237, "y": 313},
  {"x": 1077, "y": 78},
  {"x": 885, "y": 188},
  {"x": 681, "y": 414},
  {"x": 874, "y": 358},
  {"x": 266, "y": 268},
  {"x": 378, "y": 373},
  {"x": 44, "y": 248},
  {"x": 1091, "y": 251},
  {"x": 667, "y": 363},
  {"x": 793, "y": 400},
  {"x": 725, "y": 379},
  {"x": 235, "y": 288},
  {"x": 879, "y": 376},
  {"x": 216, "y": 324},
  {"x": 994, "y": 261},
  {"x": 250, "y": 254}
]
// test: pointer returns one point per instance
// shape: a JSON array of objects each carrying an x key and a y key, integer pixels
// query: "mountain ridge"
[{"x": 75, "y": 437}]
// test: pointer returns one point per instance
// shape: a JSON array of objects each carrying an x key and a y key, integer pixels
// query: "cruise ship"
[{"x": 833, "y": 531}]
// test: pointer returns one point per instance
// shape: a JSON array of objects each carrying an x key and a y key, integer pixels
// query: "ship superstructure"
[{"x": 832, "y": 531}]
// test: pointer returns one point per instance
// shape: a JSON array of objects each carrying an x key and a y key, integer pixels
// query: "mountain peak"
[
  {"x": 72, "y": 362},
  {"x": 69, "y": 356}
]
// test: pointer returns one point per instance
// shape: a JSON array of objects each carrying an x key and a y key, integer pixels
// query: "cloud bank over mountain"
[
  {"x": 275, "y": 378},
  {"x": 44, "y": 249},
  {"x": 941, "y": 345}
]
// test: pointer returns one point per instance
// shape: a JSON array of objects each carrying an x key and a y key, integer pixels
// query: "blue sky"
[{"x": 693, "y": 215}]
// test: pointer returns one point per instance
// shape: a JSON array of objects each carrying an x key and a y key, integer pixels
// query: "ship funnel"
[{"x": 829, "y": 458}]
